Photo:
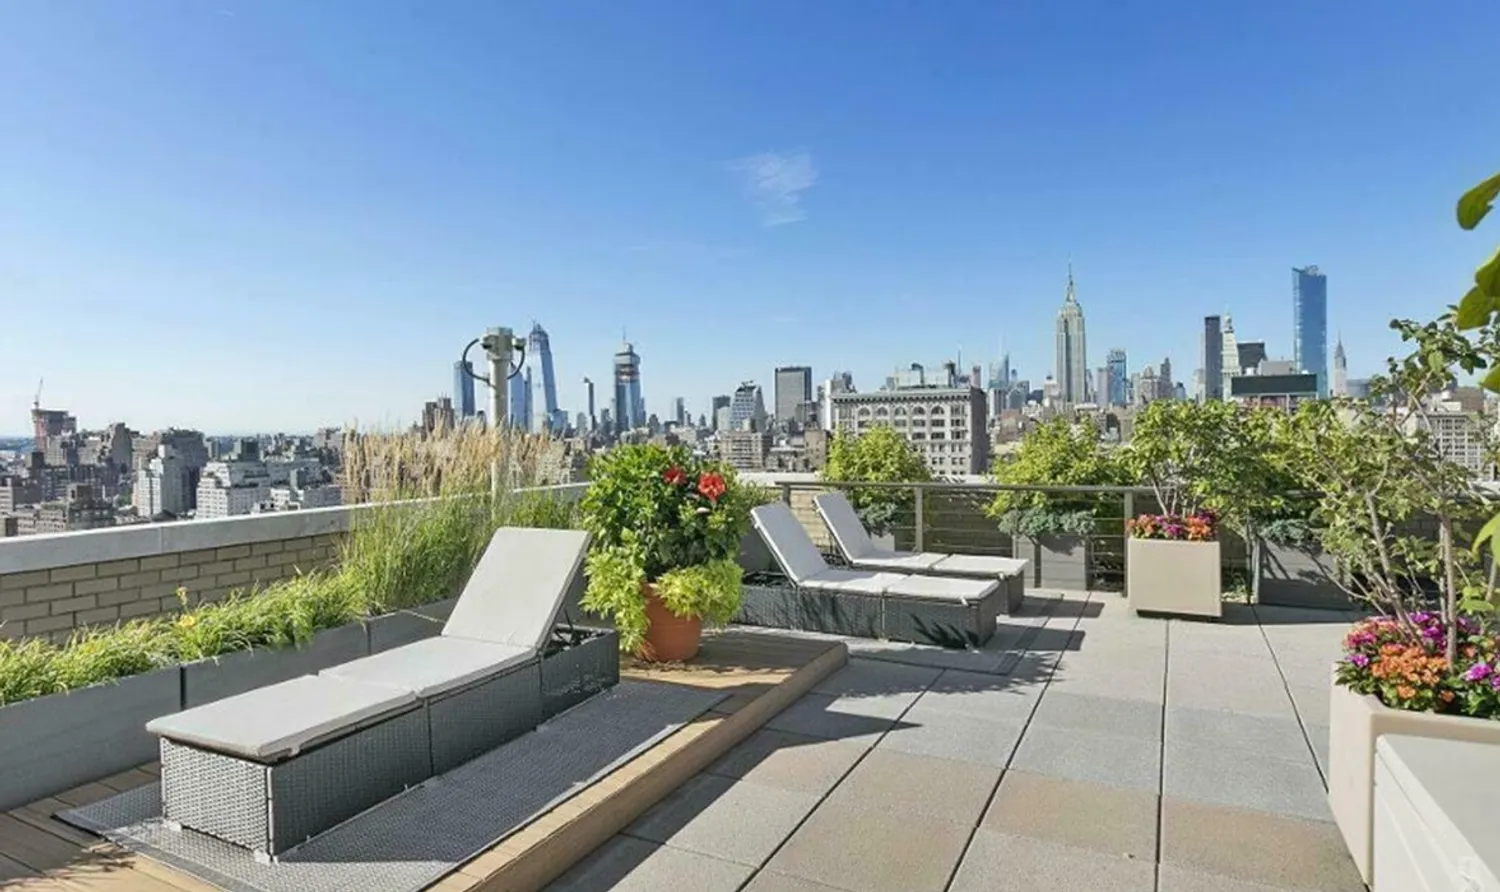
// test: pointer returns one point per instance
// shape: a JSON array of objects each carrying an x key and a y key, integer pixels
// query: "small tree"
[
  {"x": 1214, "y": 456},
  {"x": 1057, "y": 453},
  {"x": 879, "y": 455}
]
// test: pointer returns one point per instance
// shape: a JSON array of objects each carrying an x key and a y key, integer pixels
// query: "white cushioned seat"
[
  {"x": 903, "y": 561},
  {"x": 788, "y": 540},
  {"x": 279, "y": 720},
  {"x": 432, "y": 666},
  {"x": 516, "y": 590},
  {"x": 942, "y": 588},
  {"x": 864, "y": 582},
  {"x": 979, "y": 565}
]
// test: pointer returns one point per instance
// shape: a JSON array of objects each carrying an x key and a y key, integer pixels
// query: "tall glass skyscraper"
[
  {"x": 1310, "y": 324},
  {"x": 1119, "y": 379},
  {"x": 463, "y": 389},
  {"x": 1213, "y": 358},
  {"x": 541, "y": 383},
  {"x": 628, "y": 414}
]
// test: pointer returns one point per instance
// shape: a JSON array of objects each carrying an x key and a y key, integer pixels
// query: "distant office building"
[
  {"x": 304, "y": 490},
  {"x": 747, "y": 406},
  {"x": 1165, "y": 387},
  {"x": 679, "y": 412},
  {"x": 1310, "y": 324},
  {"x": 1252, "y": 354},
  {"x": 1147, "y": 389},
  {"x": 841, "y": 382},
  {"x": 1179, "y": 392},
  {"x": 162, "y": 486},
  {"x": 437, "y": 416},
  {"x": 1275, "y": 386},
  {"x": 719, "y": 403},
  {"x": 745, "y": 450},
  {"x": 1072, "y": 352},
  {"x": 793, "y": 389},
  {"x": 947, "y": 426},
  {"x": 1101, "y": 385},
  {"x": 81, "y": 508},
  {"x": 48, "y": 423},
  {"x": 1213, "y": 358},
  {"x": 519, "y": 396},
  {"x": 628, "y": 406},
  {"x": 1459, "y": 435},
  {"x": 235, "y": 488},
  {"x": 592, "y": 418},
  {"x": 541, "y": 382},
  {"x": 463, "y": 389},
  {"x": 1229, "y": 362},
  {"x": 1119, "y": 379},
  {"x": 1339, "y": 385},
  {"x": 1000, "y": 373}
]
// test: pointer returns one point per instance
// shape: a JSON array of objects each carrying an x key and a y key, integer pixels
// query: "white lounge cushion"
[
  {"x": 279, "y": 720},
  {"x": 848, "y": 530},
  {"x": 515, "y": 592},
  {"x": 904, "y": 561},
  {"x": 432, "y": 666},
  {"x": 864, "y": 582},
  {"x": 788, "y": 540},
  {"x": 942, "y": 588},
  {"x": 979, "y": 565}
]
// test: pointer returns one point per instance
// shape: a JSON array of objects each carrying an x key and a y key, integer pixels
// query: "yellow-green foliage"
[{"x": 401, "y": 553}]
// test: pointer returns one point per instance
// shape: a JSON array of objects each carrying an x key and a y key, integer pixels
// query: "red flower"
[
  {"x": 711, "y": 486},
  {"x": 674, "y": 476}
]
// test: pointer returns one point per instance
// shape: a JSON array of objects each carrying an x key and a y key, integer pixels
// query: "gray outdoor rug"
[{"x": 417, "y": 837}]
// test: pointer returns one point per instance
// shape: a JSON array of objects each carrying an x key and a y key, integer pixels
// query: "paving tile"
[
  {"x": 949, "y": 735},
  {"x": 1124, "y": 682},
  {"x": 1233, "y": 686},
  {"x": 793, "y": 762},
  {"x": 997, "y": 862},
  {"x": 1112, "y": 759},
  {"x": 771, "y": 881},
  {"x": 980, "y": 696},
  {"x": 1218, "y": 638},
  {"x": 1171, "y": 878},
  {"x": 1281, "y": 852},
  {"x": 1311, "y": 702},
  {"x": 723, "y": 818},
  {"x": 918, "y": 786},
  {"x": 1318, "y": 734},
  {"x": 869, "y": 850},
  {"x": 1081, "y": 712},
  {"x": 627, "y": 864},
  {"x": 1235, "y": 779},
  {"x": 1254, "y": 735},
  {"x": 1104, "y": 819},
  {"x": 929, "y": 657},
  {"x": 875, "y": 678},
  {"x": 823, "y": 715}
]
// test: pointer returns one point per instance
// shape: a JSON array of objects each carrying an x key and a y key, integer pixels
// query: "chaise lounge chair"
[
  {"x": 271, "y": 768},
  {"x": 854, "y": 542},
  {"x": 865, "y": 603}
]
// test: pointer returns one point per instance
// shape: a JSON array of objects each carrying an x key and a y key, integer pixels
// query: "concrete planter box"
[
  {"x": 1179, "y": 578},
  {"x": 575, "y": 672},
  {"x": 1058, "y": 561},
  {"x": 224, "y": 676},
  {"x": 61, "y": 741},
  {"x": 1293, "y": 576},
  {"x": 405, "y": 626},
  {"x": 1355, "y": 722}
]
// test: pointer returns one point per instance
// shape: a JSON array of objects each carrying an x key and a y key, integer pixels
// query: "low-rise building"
[{"x": 947, "y": 426}]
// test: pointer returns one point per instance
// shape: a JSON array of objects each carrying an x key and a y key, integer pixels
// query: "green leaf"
[
  {"x": 1491, "y": 381},
  {"x": 1476, "y": 202},
  {"x": 1487, "y": 277},
  {"x": 1474, "y": 310},
  {"x": 1490, "y": 533}
]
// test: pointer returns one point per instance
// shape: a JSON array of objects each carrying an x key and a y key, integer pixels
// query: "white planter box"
[
  {"x": 1163, "y": 576},
  {"x": 1434, "y": 827},
  {"x": 1355, "y": 723}
]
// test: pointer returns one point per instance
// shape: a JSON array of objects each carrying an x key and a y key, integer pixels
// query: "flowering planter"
[
  {"x": 224, "y": 676},
  {"x": 61, "y": 741},
  {"x": 1355, "y": 722},
  {"x": 669, "y": 638},
  {"x": 1296, "y": 576},
  {"x": 576, "y": 670},
  {"x": 1058, "y": 561},
  {"x": 1174, "y": 577}
]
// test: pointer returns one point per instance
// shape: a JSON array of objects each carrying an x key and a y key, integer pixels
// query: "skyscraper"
[
  {"x": 793, "y": 388},
  {"x": 1101, "y": 385},
  {"x": 1072, "y": 352},
  {"x": 463, "y": 389},
  {"x": 1119, "y": 378},
  {"x": 747, "y": 405},
  {"x": 1164, "y": 388},
  {"x": 679, "y": 412},
  {"x": 588, "y": 383},
  {"x": 520, "y": 401},
  {"x": 1310, "y": 324},
  {"x": 628, "y": 403},
  {"x": 1229, "y": 359},
  {"x": 1213, "y": 358},
  {"x": 1339, "y": 386},
  {"x": 541, "y": 383}
]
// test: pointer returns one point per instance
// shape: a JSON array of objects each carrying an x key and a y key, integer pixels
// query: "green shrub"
[
  {"x": 1058, "y": 453},
  {"x": 879, "y": 455}
]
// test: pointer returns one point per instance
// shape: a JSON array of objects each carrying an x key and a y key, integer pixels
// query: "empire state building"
[{"x": 1072, "y": 359}]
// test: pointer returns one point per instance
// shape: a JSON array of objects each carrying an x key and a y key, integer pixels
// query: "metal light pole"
[{"x": 499, "y": 344}]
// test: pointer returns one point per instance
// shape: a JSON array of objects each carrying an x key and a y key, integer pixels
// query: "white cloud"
[{"x": 775, "y": 181}]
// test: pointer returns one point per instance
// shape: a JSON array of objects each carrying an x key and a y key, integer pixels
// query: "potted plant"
[
  {"x": 879, "y": 455},
  {"x": 1055, "y": 530},
  {"x": 666, "y": 529},
  {"x": 1291, "y": 568},
  {"x": 1172, "y": 564}
]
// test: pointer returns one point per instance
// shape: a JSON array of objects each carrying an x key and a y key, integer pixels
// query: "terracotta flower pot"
[{"x": 669, "y": 638}]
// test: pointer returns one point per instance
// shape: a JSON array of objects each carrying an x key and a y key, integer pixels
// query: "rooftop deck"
[{"x": 1084, "y": 748}]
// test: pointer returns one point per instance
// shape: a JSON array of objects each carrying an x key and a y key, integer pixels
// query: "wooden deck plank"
[
  {"x": 13, "y": 870},
  {"x": 40, "y": 814},
  {"x": 87, "y": 794},
  {"x": 38, "y": 849},
  {"x": 126, "y": 781}
]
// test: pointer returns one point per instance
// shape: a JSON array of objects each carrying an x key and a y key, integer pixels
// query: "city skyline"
[{"x": 317, "y": 240}]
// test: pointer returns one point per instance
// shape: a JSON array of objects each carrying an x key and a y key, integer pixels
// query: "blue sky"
[{"x": 278, "y": 214}]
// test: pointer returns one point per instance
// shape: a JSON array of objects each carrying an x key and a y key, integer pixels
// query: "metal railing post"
[
  {"x": 920, "y": 536},
  {"x": 786, "y": 494}
]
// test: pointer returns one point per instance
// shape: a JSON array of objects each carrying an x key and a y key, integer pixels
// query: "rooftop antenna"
[{"x": 36, "y": 401}]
